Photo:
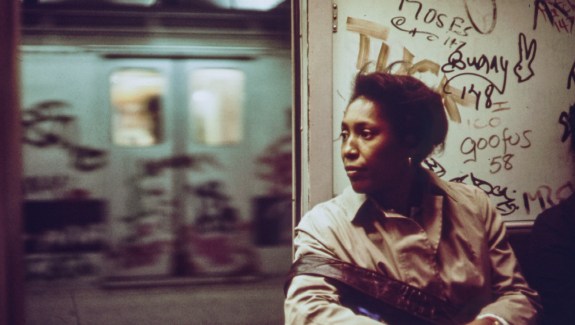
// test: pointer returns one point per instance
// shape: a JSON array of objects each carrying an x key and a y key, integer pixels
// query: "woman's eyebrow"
[{"x": 364, "y": 124}]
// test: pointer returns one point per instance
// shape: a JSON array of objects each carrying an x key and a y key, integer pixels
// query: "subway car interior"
[
  {"x": 161, "y": 150},
  {"x": 157, "y": 150}
]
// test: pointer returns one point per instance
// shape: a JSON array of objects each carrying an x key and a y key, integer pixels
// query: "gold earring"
[{"x": 409, "y": 161}]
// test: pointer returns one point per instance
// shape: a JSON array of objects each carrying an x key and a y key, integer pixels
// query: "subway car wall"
[{"x": 157, "y": 143}]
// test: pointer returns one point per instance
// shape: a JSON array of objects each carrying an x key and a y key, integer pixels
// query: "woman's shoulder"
[
  {"x": 460, "y": 192},
  {"x": 340, "y": 209},
  {"x": 467, "y": 202},
  {"x": 465, "y": 191}
]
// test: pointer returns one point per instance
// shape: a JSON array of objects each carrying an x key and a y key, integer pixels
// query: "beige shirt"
[{"x": 453, "y": 246}]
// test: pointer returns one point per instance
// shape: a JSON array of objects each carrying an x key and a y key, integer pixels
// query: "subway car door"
[
  {"x": 179, "y": 167},
  {"x": 140, "y": 195}
]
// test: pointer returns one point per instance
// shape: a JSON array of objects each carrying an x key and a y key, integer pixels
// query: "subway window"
[
  {"x": 136, "y": 96},
  {"x": 216, "y": 106}
]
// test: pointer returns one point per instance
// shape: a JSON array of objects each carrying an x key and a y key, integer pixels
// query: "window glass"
[
  {"x": 137, "y": 107},
  {"x": 216, "y": 101}
]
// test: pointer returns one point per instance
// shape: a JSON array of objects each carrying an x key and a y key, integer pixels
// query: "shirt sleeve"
[
  {"x": 499, "y": 319},
  {"x": 312, "y": 299},
  {"x": 515, "y": 301}
]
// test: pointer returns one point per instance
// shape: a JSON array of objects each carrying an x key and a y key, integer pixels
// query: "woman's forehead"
[{"x": 363, "y": 109}]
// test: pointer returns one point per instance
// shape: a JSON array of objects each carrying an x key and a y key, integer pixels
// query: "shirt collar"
[
  {"x": 439, "y": 186},
  {"x": 361, "y": 206}
]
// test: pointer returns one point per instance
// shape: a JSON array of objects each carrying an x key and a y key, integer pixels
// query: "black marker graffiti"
[
  {"x": 571, "y": 77},
  {"x": 564, "y": 120},
  {"x": 216, "y": 212},
  {"x": 471, "y": 147},
  {"x": 567, "y": 119},
  {"x": 500, "y": 106},
  {"x": 456, "y": 27},
  {"x": 38, "y": 184},
  {"x": 546, "y": 197},
  {"x": 434, "y": 166},
  {"x": 399, "y": 21},
  {"x": 523, "y": 69},
  {"x": 493, "y": 18},
  {"x": 557, "y": 12},
  {"x": 505, "y": 204},
  {"x": 151, "y": 199},
  {"x": 459, "y": 179},
  {"x": 47, "y": 124},
  {"x": 155, "y": 167},
  {"x": 457, "y": 62}
]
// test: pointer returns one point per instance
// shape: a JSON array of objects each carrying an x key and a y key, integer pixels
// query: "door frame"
[
  {"x": 316, "y": 19},
  {"x": 11, "y": 263}
]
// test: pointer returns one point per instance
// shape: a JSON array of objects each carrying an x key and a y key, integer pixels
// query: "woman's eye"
[
  {"x": 366, "y": 134},
  {"x": 344, "y": 134}
]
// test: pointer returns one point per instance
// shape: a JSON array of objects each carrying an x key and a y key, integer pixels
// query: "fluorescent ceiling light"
[{"x": 261, "y": 5}]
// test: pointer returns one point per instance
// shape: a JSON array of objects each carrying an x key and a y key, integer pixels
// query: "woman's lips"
[{"x": 353, "y": 171}]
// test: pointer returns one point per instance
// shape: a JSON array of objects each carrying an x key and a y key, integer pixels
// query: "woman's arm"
[
  {"x": 312, "y": 299},
  {"x": 514, "y": 301}
]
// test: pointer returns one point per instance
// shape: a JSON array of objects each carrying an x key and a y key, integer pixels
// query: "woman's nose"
[{"x": 349, "y": 149}]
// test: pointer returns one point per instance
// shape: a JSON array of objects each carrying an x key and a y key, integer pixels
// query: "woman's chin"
[{"x": 360, "y": 187}]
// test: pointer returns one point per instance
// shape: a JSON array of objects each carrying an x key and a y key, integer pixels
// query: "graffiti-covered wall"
[{"x": 505, "y": 70}]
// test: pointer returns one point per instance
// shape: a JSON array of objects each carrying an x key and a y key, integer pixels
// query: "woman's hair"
[{"x": 415, "y": 111}]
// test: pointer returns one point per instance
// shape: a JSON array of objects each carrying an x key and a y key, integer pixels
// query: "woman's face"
[{"x": 373, "y": 156}]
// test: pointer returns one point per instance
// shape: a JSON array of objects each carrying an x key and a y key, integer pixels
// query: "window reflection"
[
  {"x": 216, "y": 101},
  {"x": 136, "y": 99}
]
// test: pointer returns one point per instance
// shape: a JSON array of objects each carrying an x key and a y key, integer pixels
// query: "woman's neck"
[{"x": 400, "y": 196}]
